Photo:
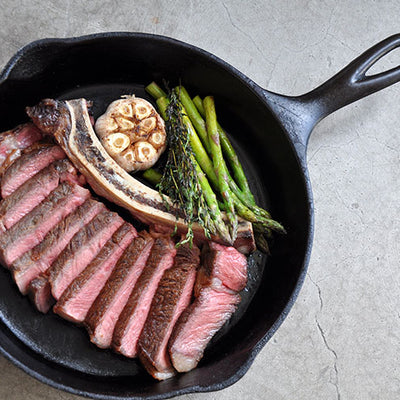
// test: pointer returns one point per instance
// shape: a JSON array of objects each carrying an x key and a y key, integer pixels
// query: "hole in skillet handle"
[{"x": 353, "y": 83}]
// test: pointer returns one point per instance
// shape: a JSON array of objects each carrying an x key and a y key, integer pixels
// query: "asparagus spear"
[
  {"x": 192, "y": 109},
  {"x": 215, "y": 224},
  {"x": 155, "y": 91},
  {"x": 245, "y": 206},
  {"x": 152, "y": 176},
  {"x": 194, "y": 116},
  {"x": 219, "y": 165},
  {"x": 230, "y": 154},
  {"x": 212, "y": 202}
]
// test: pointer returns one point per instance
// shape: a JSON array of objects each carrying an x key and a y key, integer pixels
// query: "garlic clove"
[
  {"x": 105, "y": 125},
  {"x": 157, "y": 139},
  {"x": 148, "y": 124},
  {"x": 129, "y": 156},
  {"x": 142, "y": 109},
  {"x": 126, "y": 109},
  {"x": 144, "y": 152},
  {"x": 124, "y": 124},
  {"x": 116, "y": 143},
  {"x": 122, "y": 107}
]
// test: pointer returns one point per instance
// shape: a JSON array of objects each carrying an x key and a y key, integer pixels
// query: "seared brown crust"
[
  {"x": 39, "y": 292},
  {"x": 49, "y": 115},
  {"x": 172, "y": 297},
  {"x": 116, "y": 280},
  {"x": 139, "y": 302}
]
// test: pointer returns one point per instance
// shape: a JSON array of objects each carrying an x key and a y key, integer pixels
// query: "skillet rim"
[{"x": 291, "y": 136}]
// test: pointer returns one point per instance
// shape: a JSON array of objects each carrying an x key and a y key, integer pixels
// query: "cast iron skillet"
[{"x": 270, "y": 132}]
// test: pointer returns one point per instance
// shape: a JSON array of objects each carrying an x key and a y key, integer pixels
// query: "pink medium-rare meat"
[
  {"x": 33, "y": 191},
  {"x": 69, "y": 122},
  {"x": 39, "y": 292},
  {"x": 173, "y": 295},
  {"x": 199, "y": 323},
  {"x": 222, "y": 275},
  {"x": 38, "y": 260},
  {"x": 132, "y": 318},
  {"x": 104, "y": 312},
  {"x": 81, "y": 293},
  {"x": 15, "y": 140},
  {"x": 33, "y": 227},
  {"x": 224, "y": 263},
  {"x": 27, "y": 166},
  {"x": 81, "y": 250}
]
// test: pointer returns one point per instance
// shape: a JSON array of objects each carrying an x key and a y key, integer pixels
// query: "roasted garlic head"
[{"x": 132, "y": 132}]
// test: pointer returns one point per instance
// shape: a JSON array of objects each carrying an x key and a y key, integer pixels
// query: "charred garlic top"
[{"x": 132, "y": 132}]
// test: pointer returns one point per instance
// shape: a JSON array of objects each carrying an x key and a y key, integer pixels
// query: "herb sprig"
[{"x": 180, "y": 180}]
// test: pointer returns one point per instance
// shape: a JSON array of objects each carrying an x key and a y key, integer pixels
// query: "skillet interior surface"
[{"x": 101, "y": 68}]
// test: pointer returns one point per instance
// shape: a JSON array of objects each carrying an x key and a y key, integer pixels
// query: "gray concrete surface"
[{"x": 342, "y": 337}]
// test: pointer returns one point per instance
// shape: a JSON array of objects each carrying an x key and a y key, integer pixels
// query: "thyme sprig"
[{"x": 180, "y": 180}]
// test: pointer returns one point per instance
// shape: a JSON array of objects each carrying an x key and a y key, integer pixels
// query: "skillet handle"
[{"x": 352, "y": 83}]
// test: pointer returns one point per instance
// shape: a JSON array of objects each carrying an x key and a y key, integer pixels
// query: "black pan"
[{"x": 270, "y": 132}]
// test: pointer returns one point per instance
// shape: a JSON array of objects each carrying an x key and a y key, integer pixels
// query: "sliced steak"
[
  {"x": 39, "y": 291},
  {"x": 33, "y": 191},
  {"x": 104, "y": 312},
  {"x": 222, "y": 275},
  {"x": 173, "y": 295},
  {"x": 81, "y": 250},
  {"x": 27, "y": 166},
  {"x": 15, "y": 140},
  {"x": 132, "y": 318},
  {"x": 81, "y": 293},
  {"x": 33, "y": 227},
  {"x": 38, "y": 260},
  {"x": 224, "y": 263},
  {"x": 199, "y": 323}
]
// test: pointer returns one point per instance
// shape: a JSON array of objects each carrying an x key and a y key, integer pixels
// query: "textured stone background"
[{"x": 342, "y": 338}]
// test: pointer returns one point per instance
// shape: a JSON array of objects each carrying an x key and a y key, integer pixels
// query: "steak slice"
[
  {"x": 28, "y": 165},
  {"x": 33, "y": 227},
  {"x": 39, "y": 292},
  {"x": 222, "y": 275},
  {"x": 224, "y": 263},
  {"x": 32, "y": 192},
  {"x": 173, "y": 295},
  {"x": 38, "y": 260},
  {"x": 104, "y": 312},
  {"x": 199, "y": 323},
  {"x": 81, "y": 293},
  {"x": 81, "y": 250},
  {"x": 132, "y": 318},
  {"x": 15, "y": 140}
]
